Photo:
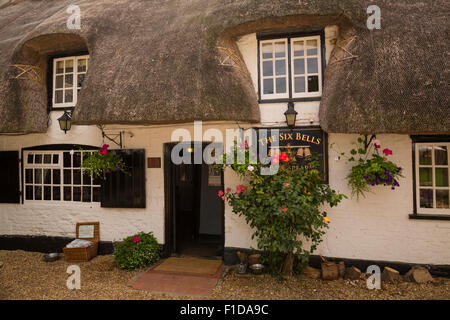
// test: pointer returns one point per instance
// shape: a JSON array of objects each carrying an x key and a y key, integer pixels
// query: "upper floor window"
[
  {"x": 68, "y": 77},
  {"x": 290, "y": 68}
]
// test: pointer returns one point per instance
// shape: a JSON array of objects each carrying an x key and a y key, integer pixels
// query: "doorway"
[{"x": 194, "y": 220}]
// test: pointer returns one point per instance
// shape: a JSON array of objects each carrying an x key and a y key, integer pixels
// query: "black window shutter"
[
  {"x": 121, "y": 190},
  {"x": 9, "y": 177}
]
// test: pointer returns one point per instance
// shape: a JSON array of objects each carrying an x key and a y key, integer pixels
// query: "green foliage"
[
  {"x": 137, "y": 251},
  {"x": 371, "y": 169},
  {"x": 103, "y": 162},
  {"x": 284, "y": 209}
]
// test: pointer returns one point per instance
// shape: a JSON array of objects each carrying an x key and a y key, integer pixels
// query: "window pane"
[
  {"x": 67, "y": 159},
  {"x": 298, "y": 48},
  {"x": 299, "y": 84},
  {"x": 281, "y": 85},
  {"x": 59, "y": 82},
  {"x": 311, "y": 47},
  {"x": 69, "y": 66},
  {"x": 440, "y": 155},
  {"x": 67, "y": 176},
  {"x": 30, "y": 158},
  {"x": 76, "y": 193},
  {"x": 268, "y": 86},
  {"x": 280, "y": 67},
  {"x": 37, "y": 176},
  {"x": 77, "y": 159},
  {"x": 267, "y": 51},
  {"x": 47, "y": 176},
  {"x": 29, "y": 192},
  {"x": 312, "y": 65},
  {"x": 86, "y": 194},
  {"x": 96, "y": 194},
  {"x": 69, "y": 81},
  {"x": 280, "y": 50},
  {"x": 67, "y": 193},
  {"x": 80, "y": 80},
  {"x": 56, "y": 193},
  {"x": 268, "y": 68},
  {"x": 38, "y": 158},
  {"x": 60, "y": 67},
  {"x": 86, "y": 177},
  {"x": 441, "y": 176},
  {"x": 299, "y": 66},
  {"x": 425, "y": 155},
  {"x": 47, "y": 193},
  {"x": 426, "y": 198},
  {"x": 82, "y": 67},
  {"x": 28, "y": 175},
  {"x": 56, "y": 176},
  {"x": 55, "y": 158},
  {"x": 76, "y": 176},
  {"x": 68, "y": 97},
  {"x": 425, "y": 177},
  {"x": 442, "y": 199},
  {"x": 313, "y": 83},
  {"x": 58, "y": 96},
  {"x": 37, "y": 192},
  {"x": 47, "y": 158}
]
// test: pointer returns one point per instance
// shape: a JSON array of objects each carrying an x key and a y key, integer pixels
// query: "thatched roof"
[{"x": 159, "y": 61}]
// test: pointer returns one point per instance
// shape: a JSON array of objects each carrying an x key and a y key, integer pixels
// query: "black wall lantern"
[
  {"x": 290, "y": 114},
  {"x": 65, "y": 121}
]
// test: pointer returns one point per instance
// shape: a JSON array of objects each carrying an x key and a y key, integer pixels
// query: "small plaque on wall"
[{"x": 154, "y": 162}]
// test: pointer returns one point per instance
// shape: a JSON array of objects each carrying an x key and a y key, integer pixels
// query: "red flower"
[
  {"x": 228, "y": 189},
  {"x": 103, "y": 151},
  {"x": 220, "y": 193},
  {"x": 284, "y": 157},
  {"x": 284, "y": 209},
  {"x": 105, "y": 146},
  {"x": 223, "y": 198},
  {"x": 387, "y": 151},
  {"x": 136, "y": 239}
]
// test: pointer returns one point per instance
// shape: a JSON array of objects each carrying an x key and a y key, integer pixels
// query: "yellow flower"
[{"x": 326, "y": 219}]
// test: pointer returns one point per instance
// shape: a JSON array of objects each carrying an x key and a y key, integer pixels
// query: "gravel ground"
[{"x": 25, "y": 276}]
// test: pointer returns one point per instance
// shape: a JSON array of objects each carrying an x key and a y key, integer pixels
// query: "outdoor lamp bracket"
[{"x": 115, "y": 138}]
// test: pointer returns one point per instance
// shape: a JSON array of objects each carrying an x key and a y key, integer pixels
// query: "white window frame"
[
  {"x": 307, "y": 94},
  {"x": 75, "y": 74},
  {"x": 52, "y": 166},
  {"x": 274, "y": 76},
  {"x": 433, "y": 210}
]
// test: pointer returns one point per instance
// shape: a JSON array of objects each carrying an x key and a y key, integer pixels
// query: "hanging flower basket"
[{"x": 103, "y": 162}]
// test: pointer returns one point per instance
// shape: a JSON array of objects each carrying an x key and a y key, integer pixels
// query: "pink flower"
[
  {"x": 103, "y": 151},
  {"x": 220, "y": 193},
  {"x": 387, "y": 151},
  {"x": 136, "y": 239},
  {"x": 105, "y": 146},
  {"x": 275, "y": 158},
  {"x": 223, "y": 198},
  {"x": 287, "y": 184},
  {"x": 376, "y": 144}
]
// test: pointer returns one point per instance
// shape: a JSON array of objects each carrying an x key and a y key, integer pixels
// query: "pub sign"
[{"x": 299, "y": 141}]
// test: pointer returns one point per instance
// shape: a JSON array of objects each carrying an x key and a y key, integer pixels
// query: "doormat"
[
  {"x": 189, "y": 265},
  {"x": 163, "y": 279}
]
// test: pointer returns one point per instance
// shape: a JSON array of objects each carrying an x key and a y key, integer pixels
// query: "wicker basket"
[{"x": 87, "y": 253}]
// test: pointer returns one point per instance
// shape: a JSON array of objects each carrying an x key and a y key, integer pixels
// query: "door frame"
[{"x": 169, "y": 212}]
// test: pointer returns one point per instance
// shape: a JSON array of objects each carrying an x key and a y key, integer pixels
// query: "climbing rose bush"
[
  {"x": 137, "y": 251},
  {"x": 286, "y": 210}
]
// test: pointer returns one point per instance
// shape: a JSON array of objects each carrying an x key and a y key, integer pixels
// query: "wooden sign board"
[
  {"x": 154, "y": 162},
  {"x": 302, "y": 142}
]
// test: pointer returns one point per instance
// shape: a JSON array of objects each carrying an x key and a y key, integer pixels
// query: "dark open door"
[{"x": 194, "y": 212}]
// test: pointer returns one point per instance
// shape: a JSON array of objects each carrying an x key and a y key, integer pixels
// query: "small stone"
[
  {"x": 419, "y": 274},
  {"x": 390, "y": 275},
  {"x": 1, "y": 264},
  {"x": 352, "y": 273}
]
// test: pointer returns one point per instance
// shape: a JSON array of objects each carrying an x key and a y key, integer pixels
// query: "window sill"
[
  {"x": 430, "y": 216},
  {"x": 61, "y": 108},
  {"x": 305, "y": 99}
]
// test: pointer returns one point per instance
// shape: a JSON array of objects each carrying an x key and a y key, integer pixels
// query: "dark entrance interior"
[{"x": 194, "y": 212}]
